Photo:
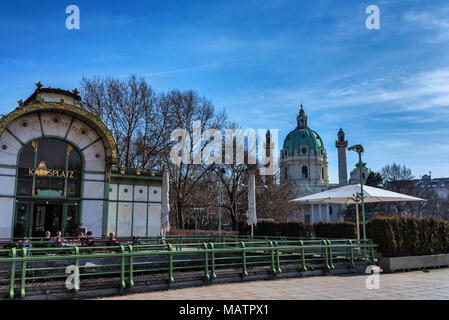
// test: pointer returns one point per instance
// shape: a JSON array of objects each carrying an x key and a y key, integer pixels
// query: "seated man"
[
  {"x": 81, "y": 229},
  {"x": 47, "y": 240},
  {"x": 59, "y": 241},
  {"x": 112, "y": 240},
  {"x": 82, "y": 238},
  {"x": 89, "y": 239}
]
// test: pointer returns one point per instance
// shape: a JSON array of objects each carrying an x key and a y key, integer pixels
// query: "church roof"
[{"x": 301, "y": 136}]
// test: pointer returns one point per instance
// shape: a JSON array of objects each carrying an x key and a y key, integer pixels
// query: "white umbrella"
[
  {"x": 351, "y": 194},
  {"x": 165, "y": 225},
  {"x": 251, "y": 213}
]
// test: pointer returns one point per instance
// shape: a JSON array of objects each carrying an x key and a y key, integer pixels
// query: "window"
[
  {"x": 305, "y": 172},
  {"x": 286, "y": 173},
  {"x": 49, "y": 164},
  {"x": 304, "y": 150},
  {"x": 331, "y": 211}
]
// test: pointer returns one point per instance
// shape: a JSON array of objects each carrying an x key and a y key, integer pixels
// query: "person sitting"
[
  {"x": 112, "y": 240},
  {"x": 89, "y": 239},
  {"x": 27, "y": 244},
  {"x": 47, "y": 239},
  {"x": 81, "y": 229},
  {"x": 82, "y": 238},
  {"x": 59, "y": 241}
]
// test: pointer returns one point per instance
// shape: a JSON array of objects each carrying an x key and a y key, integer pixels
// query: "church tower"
[
  {"x": 341, "y": 145},
  {"x": 304, "y": 159}
]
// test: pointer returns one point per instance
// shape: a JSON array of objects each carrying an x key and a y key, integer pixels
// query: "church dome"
[{"x": 303, "y": 140}]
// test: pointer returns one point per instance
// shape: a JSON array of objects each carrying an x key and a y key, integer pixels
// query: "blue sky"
[{"x": 388, "y": 89}]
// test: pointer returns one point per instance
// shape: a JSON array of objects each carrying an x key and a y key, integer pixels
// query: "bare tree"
[
  {"x": 273, "y": 200},
  {"x": 183, "y": 109},
  {"x": 128, "y": 107}
]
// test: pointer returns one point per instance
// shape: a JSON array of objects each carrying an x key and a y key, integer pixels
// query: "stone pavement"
[{"x": 408, "y": 285}]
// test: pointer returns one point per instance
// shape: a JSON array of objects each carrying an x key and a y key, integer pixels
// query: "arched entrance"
[{"x": 48, "y": 190}]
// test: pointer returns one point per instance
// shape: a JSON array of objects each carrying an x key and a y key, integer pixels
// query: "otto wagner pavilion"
[{"x": 57, "y": 170}]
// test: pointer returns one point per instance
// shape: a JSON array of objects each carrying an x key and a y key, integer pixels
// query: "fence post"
[
  {"x": 76, "y": 287},
  {"x": 171, "y": 279},
  {"x": 24, "y": 272},
  {"x": 131, "y": 266},
  {"x": 351, "y": 253},
  {"x": 212, "y": 247},
  {"x": 245, "y": 272},
  {"x": 331, "y": 260},
  {"x": 12, "y": 272},
  {"x": 324, "y": 245},
  {"x": 372, "y": 251},
  {"x": 278, "y": 259},
  {"x": 123, "y": 266},
  {"x": 303, "y": 257},
  {"x": 273, "y": 268},
  {"x": 206, "y": 262}
]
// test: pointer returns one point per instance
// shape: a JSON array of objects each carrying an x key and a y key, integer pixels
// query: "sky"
[{"x": 259, "y": 60}]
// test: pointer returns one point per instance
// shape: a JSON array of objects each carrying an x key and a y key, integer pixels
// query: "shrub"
[
  {"x": 394, "y": 236},
  {"x": 183, "y": 232},
  {"x": 400, "y": 236},
  {"x": 285, "y": 229},
  {"x": 340, "y": 230}
]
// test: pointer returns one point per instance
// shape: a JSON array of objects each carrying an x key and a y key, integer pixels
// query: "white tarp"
[
  {"x": 348, "y": 195},
  {"x": 165, "y": 224},
  {"x": 251, "y": 213}
]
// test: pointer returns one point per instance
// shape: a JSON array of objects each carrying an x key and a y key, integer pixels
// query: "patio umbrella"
[
  {"x": 251, "y": 213},
  {"x": 351, "y": 194},
  {"x": 165, "y": 225}
]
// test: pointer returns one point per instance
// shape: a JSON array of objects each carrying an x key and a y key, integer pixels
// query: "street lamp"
[
  {"x": 221, "y": 171},
  {"x": 359, "y": 149}
]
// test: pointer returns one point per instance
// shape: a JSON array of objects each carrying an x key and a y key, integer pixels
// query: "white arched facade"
[{"x": 101, "y": 204}]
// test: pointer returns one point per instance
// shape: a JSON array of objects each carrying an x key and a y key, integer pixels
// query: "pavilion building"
[{"x": 58, "y": 167}]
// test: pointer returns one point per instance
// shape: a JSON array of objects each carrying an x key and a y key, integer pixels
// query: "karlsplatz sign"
[{"x": 51, "y": 173}]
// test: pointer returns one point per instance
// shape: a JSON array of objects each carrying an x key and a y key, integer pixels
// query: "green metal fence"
[{"x": 170, "y": 255}]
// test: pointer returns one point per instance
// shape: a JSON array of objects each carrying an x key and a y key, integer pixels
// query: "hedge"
[
  {"x": 286, "y": 229},
  {"x": 184, "y": 232},
  {"x": 395, "y": 236},
  {"x": 400, "y": 236},
  {"x": 340, "y": 230}
]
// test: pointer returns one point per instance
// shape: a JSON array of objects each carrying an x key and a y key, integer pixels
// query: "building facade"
[
  {"x": 57, "y": 169},
  {"x": 304, "y": 163},
  {"x": 440, "y": 186}
]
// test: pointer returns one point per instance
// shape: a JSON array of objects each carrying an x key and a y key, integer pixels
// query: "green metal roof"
[{"x": 300, "y": 137}]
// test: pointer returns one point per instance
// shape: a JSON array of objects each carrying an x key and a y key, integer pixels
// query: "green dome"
[
  {"x": 303, "y": 137},
  {"x": 303, "y": 140}
]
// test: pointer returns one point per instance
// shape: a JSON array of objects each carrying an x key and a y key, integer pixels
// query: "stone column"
[
  {"x": 312, "y": 214},
  {"x": 341, "y": 145}
]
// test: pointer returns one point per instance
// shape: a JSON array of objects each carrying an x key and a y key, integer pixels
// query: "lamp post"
[
  {"x": 221, "y": 171},
  {"x": 359, "y": 149}
]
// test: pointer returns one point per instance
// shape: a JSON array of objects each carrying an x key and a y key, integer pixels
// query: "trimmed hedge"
[
  {"x": 400, "y": 236},
  {"x": 340, "y": 230},
  {"x": 395, "y": 236},
  {"x": 286, "y": 229},
  {"x": 184, "y": 232}
]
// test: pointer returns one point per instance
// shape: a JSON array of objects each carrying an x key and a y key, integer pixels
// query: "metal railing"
[{"x": 169, "y": 255}]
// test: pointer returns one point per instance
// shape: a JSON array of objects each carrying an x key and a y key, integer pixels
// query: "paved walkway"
[{"x": 408, "y": 285}]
